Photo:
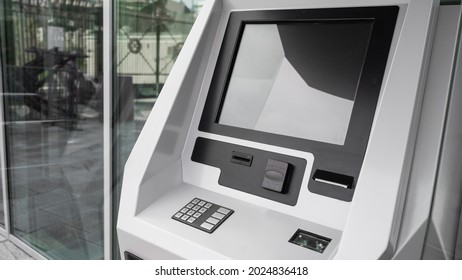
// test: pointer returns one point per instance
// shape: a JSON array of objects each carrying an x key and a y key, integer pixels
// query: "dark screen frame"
[{"x": 344, "y": 159}]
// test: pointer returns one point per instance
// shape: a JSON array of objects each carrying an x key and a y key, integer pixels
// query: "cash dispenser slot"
[{"x": 332, "y": 178}]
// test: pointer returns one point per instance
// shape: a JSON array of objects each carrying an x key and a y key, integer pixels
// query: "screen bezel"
[{"x": 342, "y": 159}]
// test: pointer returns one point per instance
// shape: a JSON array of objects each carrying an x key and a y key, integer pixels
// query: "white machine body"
[{"x": 161, "y": 175}]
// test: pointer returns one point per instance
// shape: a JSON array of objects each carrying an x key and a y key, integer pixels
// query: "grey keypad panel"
[{"x": 203, "y": 215}]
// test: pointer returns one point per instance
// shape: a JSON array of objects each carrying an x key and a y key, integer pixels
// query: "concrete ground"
[
  {"x": 9, "y": 251},
  {"x": 56, "y": 189}
]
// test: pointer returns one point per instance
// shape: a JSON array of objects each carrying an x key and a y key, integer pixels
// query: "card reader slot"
[
  {"x": 241, "y": 158},
  {"x": 310, "y": 241},
  {"x": 332, "y": 178}
]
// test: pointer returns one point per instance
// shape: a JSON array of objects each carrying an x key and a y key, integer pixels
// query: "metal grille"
[
  {"x": 53, "y": 60},
  {"x": 149, "y": 39}
]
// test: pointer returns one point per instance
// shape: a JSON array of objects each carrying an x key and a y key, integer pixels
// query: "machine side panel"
[
  {"x": 164, "y": 140},
  {"x": 458, "y": 255},
  {"x": 383, "y": 180},
  {"x": 446, "y": 208},
  {"x": 171, "y": 143},
  {"x": 429, "y": 138}
]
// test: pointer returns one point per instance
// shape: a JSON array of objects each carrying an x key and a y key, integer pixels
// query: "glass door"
[{"x": 53, "y": 99}]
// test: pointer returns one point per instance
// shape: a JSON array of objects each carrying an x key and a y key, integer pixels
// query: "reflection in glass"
[
  {"x": 297, "y": 79},
  {"x": 149, "y": 36},
  {"x": 52, "y": 70}
]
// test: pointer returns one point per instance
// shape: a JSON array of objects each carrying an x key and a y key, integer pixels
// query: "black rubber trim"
[
  {"x": 347, "y": 159},
  {"x": 249, "y": 179},
  {"x": 132, "y": 257}
]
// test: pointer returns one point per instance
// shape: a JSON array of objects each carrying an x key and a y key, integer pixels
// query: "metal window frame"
[
  {"x": 6, "y": 230},
  {"x": 107, "y": 126},
  {"x": 5, "y": 184}
]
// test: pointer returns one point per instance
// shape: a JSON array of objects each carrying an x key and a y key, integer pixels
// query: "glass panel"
[
  {"x": 53, "y": 123},
  {"x": 148, "y": 37},
  {"x": 2, "y": 205},
  {"x": 284, "y": 82}
]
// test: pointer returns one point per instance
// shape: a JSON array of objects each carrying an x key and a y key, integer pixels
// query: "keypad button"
[
  {"x": 207, "y": 225},
  {"x": 223, "y": 210},
  {"x": 218, "y": 215},
  {"x": 212, "y": 221},
  {"x": 202, "y": 215}
]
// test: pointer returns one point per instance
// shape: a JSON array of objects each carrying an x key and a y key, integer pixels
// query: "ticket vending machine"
[{"x": 286, "y": 130}]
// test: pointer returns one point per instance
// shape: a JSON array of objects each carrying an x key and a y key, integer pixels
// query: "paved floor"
[
  {"x": 9, "y": 251},
  {"x": 56, "y": 189}
]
